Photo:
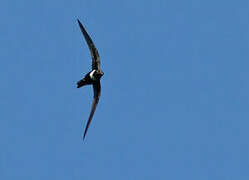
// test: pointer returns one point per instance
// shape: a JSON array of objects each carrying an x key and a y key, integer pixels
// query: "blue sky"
[{"x": 174, "y": 101}]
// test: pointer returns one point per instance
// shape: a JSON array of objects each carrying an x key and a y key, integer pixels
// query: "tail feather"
[{"x": 81, "y": 83}]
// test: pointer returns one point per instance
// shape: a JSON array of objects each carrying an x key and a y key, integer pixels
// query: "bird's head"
[{"x": 99, "y": 73}]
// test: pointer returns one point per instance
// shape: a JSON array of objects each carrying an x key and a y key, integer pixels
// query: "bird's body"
[
  {"x": 93, "y": 77},
  {"x": 90, "y": 78}
]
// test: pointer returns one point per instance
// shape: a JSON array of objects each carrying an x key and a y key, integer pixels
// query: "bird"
[{"x": 93, "y": 77}]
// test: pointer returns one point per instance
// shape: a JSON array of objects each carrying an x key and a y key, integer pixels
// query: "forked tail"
[{"x": 81, "y": 83}]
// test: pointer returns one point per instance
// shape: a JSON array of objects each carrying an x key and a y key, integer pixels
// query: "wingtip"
[
  {"x": 84, "y": 136},
  {"x": 78, "y": 21}
]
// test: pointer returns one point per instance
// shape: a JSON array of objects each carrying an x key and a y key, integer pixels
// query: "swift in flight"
[{"x": 93, "y": 77}]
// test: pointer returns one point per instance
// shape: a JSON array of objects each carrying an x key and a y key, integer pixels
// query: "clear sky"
[{"x": 175, "y": 94}]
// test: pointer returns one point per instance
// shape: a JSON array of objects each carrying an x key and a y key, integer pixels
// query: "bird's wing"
[
  {"x": 93, "y": 49},
  {"x": 96, "y": 91}
]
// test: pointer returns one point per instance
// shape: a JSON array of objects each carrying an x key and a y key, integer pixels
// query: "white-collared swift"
[{"x": 93, "y": 77}]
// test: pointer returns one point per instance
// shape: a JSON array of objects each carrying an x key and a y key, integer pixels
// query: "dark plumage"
[{"x": 93, "y": 77}]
